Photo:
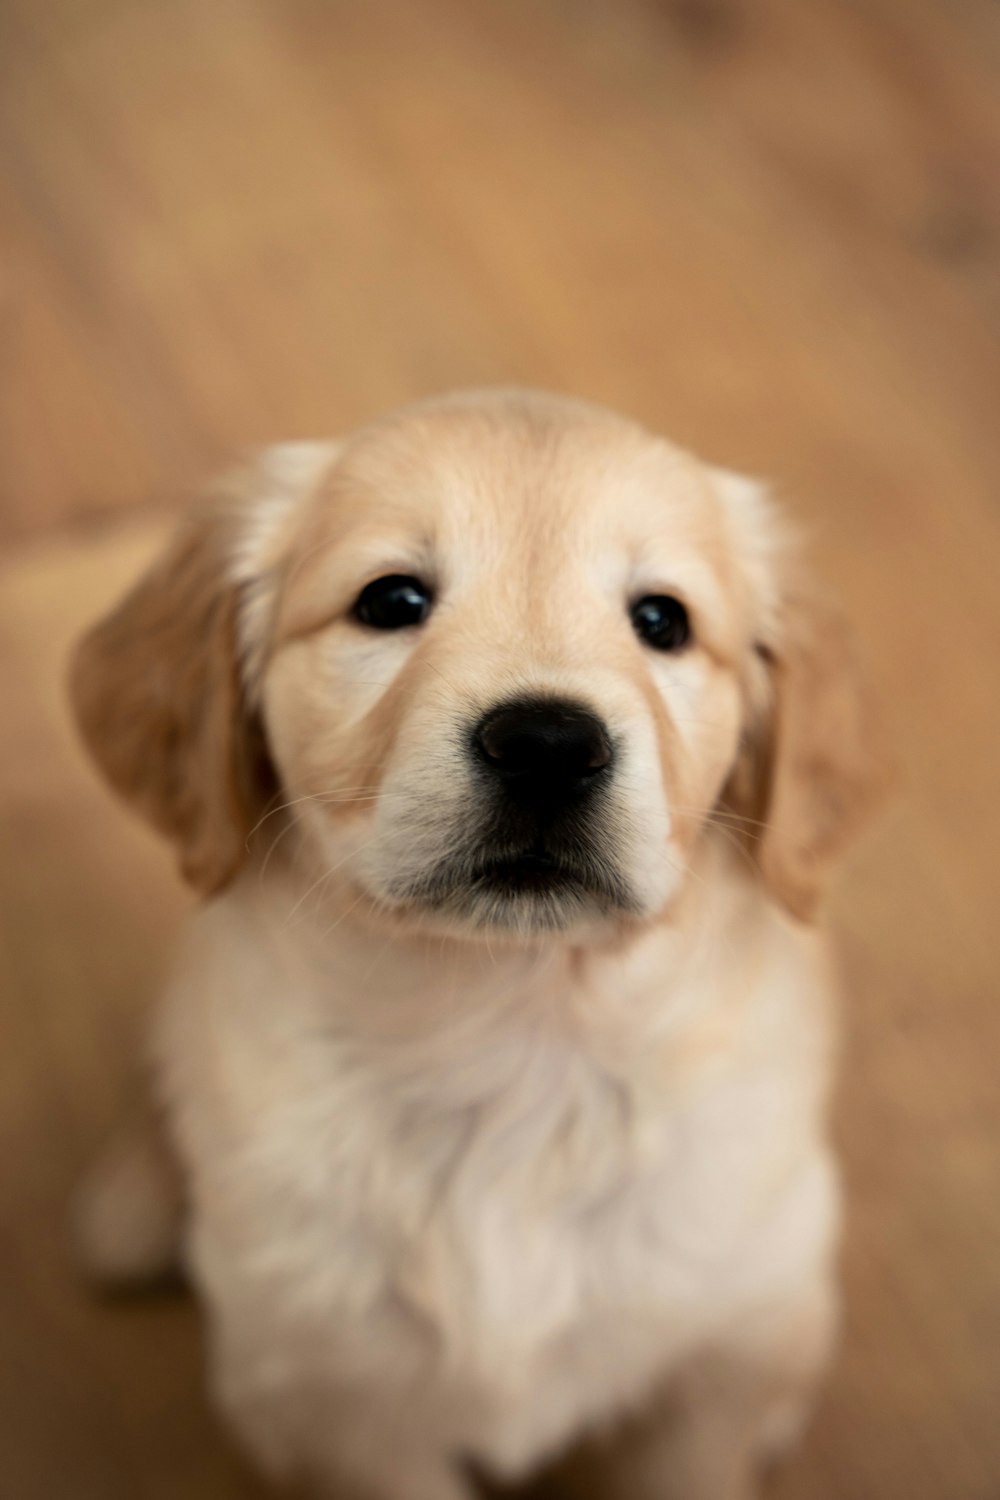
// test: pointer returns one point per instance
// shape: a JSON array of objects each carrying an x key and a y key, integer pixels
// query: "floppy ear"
[
  {"x": 815, "y": 767},
  {"x": 159, "y": 699}
]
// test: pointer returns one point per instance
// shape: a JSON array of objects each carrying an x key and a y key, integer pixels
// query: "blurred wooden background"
[{"x": 769, "y": 227}]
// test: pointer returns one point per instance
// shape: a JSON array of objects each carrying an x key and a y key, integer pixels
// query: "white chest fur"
[{"x": 495, "y": 1175}]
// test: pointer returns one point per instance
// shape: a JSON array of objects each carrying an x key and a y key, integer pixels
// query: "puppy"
[{"x": 511, "y": 758}]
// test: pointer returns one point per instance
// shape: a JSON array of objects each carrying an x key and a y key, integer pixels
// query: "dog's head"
[{"x": 500, "y": 658}]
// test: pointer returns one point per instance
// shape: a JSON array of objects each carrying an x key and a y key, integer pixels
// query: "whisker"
[
  {"x": 272, "y": 812},
  {"x": 730, "y": 836},
  {"x": 737, "y": 819},
  {"x": 362, "y": 896},
  {"x": 288, "y": 828},
  {"x": 325, "y": 877}
]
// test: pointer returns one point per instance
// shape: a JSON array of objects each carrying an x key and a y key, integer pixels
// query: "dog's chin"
[{"x": 525, "y": 895}]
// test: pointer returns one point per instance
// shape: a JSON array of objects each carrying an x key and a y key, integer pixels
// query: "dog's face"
[
  {"x": 500, "y": 658},
  {"x": 507, "y": 667}
]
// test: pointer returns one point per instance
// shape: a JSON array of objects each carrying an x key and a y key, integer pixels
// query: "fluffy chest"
[
  {"x": 487, "y": 1172},
  {"x": 504, "y": 1202}
]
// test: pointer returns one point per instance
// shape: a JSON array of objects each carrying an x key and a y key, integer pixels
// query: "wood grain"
[{"x": 771, "y": 229}]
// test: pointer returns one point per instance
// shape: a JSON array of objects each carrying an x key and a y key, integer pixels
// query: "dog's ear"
[
  {"x": 814, "y": 766},
  {"x": 159, "y": 698}
]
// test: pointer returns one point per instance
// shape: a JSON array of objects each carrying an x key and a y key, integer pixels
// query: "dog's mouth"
[
  {"x": 537, "y": 887},
  {"x": 529, "y": 873}
]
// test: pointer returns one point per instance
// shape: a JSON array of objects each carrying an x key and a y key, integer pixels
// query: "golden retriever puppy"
[{"x": 510, "y": 758}]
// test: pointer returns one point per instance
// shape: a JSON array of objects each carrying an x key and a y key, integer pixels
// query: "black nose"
[{"x": 543, "y": 749}]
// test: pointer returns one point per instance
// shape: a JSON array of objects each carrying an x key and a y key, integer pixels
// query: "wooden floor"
[{"x": 769, "y": 227}]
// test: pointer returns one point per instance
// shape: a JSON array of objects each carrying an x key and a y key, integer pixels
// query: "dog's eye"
[
  {"x": 662, "y": 622},
  {"x": 393, "y": 603}
]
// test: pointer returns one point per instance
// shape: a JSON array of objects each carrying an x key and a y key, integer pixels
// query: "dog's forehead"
[{"x": 485, "y": 476}]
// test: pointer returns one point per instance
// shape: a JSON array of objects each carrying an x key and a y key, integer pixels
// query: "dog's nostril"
[{"x": 544, "y": 744}]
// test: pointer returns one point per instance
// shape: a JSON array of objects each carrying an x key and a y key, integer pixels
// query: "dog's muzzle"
[{"x": 537, "y": 846}]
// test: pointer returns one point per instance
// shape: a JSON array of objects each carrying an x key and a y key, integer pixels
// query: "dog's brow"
[{"x": 323, "y": 581}]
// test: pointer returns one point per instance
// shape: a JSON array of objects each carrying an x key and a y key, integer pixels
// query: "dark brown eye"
[
  {"x": 393, "y": 603},
  {"x": 662, "y": 622}
]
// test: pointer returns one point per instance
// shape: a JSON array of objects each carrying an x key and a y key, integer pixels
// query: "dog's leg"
[
  {"x": 127, "y": 1213},
  {"x": 405, "y": 1476},
  {"x": 308, "y": 1424},
  {"x": 340, "y": 1454},
  {"x": 726, "y": 1414}
]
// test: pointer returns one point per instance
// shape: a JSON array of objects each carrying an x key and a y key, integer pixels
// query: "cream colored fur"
[{"x": 472, "y": 1183}]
